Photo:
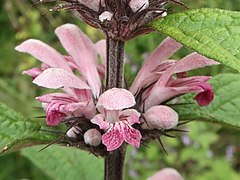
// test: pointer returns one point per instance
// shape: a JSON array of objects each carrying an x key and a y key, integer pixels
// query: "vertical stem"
[
  {"x": 114, "y": 161},
  {"x": 115, "y": 63},
  {"x": 114, "y": 164}
]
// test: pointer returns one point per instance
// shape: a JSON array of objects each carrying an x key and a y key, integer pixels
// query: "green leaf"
[
  {"x": 214, "y": 33},
  {"x": 17, "y": 132},
  {"x": 224, "y": 109},
  {"x": 64, "y": 163}
]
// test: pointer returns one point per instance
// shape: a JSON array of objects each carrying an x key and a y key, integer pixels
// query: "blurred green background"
[{"x": 207, "y": 152}]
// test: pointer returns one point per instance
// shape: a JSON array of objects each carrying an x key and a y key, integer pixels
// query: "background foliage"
[{"x": 207, "y": 151}]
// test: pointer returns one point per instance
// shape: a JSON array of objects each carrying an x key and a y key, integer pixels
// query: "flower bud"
[
  {"x": 160, "y": 117},
  {"x": 92, "y": 4},
  {"x": 92, "y": 137},
  {"x": 105, "y": 16},
  {"x": 138, "y": 5},
  {"x": 72, "y": 133},
  {"x": 166, "y": 173},
  {"x": 164, "y": 14}
]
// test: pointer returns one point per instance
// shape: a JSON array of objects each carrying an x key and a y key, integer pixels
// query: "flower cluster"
[
  {"x": 119, "y": 113},
  {"x": 123, "y": 19}
]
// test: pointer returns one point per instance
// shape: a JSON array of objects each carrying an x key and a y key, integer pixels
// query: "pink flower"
[
  {"x": 57, "y": 73},
  {"x": 60, "y": 105},
  {"x": 115, "y": 121},
  {"x": 154, "y": 85},
  {"x": 156, "y": 76}
]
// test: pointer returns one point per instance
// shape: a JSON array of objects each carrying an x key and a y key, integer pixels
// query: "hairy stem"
[
  {"x": 114, "y": 161},
  {"x": 114, "y": 164},
  {"x": 115, "y": 63}
]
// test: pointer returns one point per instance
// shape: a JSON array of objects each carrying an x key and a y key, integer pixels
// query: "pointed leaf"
[
  {"x": 17, "y": 132},
  {"x": 66, "y": 163},
  {"x": 214, "y": 33}
]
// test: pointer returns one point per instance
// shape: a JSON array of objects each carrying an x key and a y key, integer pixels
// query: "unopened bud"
[
  {"x": 164, "y": 14},
  {"x": 138, "y": 5},
  {"x": 160, "y": 117},
  {"x": 72, "y": 133},
  {"x": 105, "y": 16},
  {"x": 92, "y": 137},
  {"x": 167, "y": 174},
  {"x": 92, "y": 4}
]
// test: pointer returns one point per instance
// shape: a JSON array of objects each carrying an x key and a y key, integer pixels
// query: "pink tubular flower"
[
  {"x": 154, "y": 85},
  {"x": 115, "y": 121},
  {"x": 156, "y": 75},
  {"x": 57, "y": 72}
]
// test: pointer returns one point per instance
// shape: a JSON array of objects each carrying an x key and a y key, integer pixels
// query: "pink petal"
[
  {"x": 111, "y": 116},
  {"x": 165, "y": 50},
  {"x": 71, "y": 107},
  {"x": 55, "y": 78},
  {"x": 131, "y": 115},
  {"x": 160, "y": 117},
  {"x": 190, "y": 62},
  {"x": 100, "y": 121},
  {"x": 188, "y": 81},
  {"x": 102, "y": 51},
  {"x": 80, "y": 47},
  {"x": 47, "y": 98},
  {"x": 101, "y": 71},
  {"x": 54, "y": 116},
  {"x": 193, "y": 61},
  {"x": 131, "y": 136},
  {"x": 71, "y": 104},
  {"x": 67, "y": 105},
  {"x": 205, "y": 98},
  {"x": 116, "y": 99},
  {"x": 89, "y": 110},
  {"x": 44, "y": 53},
  {"x": 165, "y": 65},
  {"x": 34, "y": 72},
  {"x": 83, "y": 94},
  {"x": 113, "y": 139},
  {"x": 157, "y": 73},
  {"x": 71, "y": 62},
  {"x": 160, "y": 94}
]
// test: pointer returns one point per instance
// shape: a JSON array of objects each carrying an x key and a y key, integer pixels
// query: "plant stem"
[
  {"x": 114, "y": 164},
  {"x": 115, "y": 63},
  {"x": 114, "y": 161}
]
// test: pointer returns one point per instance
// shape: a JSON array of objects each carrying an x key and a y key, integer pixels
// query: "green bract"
[{"x": 214, "y": 33}]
